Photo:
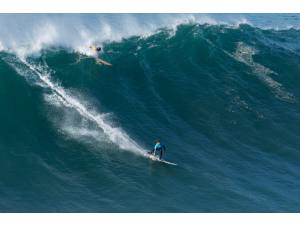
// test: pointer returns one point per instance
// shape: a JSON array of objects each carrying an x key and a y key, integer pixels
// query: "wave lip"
[{"x": 28, "y": 34}]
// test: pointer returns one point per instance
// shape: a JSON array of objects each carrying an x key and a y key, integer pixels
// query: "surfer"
[
  {"x": 158, "y": 148},
  {"x": 96, "y": 51}
]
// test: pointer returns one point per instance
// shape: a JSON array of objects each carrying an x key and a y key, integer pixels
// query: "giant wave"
[{"x": 224, "y": 98}]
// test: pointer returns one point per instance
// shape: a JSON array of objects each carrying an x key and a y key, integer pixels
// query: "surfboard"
[
  {"x": 101, "y": 61},
  {"x": 93, "y": 47},
  {"x": 155, "y": 158},
  {"x": 98, "y": 60}
]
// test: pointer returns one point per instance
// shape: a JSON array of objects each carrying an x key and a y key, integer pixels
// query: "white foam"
[
  {"x": 244, "y": 53},
  {"x": 60, "y": 97},
  {"x": 1, "y": 47},
  {"x": 27, "y": 34}
]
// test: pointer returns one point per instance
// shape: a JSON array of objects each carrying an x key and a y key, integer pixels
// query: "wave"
[
  {"x": 27, "y": 34},
  {"x": 223, "y": 99}
]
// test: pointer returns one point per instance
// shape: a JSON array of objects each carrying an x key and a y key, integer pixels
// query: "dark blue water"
[{"x": 224, "y": 99}]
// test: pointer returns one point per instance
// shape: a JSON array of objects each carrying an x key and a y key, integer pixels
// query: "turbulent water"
[{"x": 223, "y": 98}]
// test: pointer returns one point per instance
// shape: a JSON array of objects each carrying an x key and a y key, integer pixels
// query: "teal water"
[{"x": 224, "y": 100}]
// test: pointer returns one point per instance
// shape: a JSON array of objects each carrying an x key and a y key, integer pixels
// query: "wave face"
[{"x": 224, "y": 100}]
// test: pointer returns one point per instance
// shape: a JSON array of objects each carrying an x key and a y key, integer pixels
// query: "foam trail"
[
  {"x": 244, "y": 53},
  {"x": 115, "y": 135}
]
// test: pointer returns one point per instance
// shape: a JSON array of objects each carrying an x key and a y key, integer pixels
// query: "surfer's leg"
[
  {"x": 160, "y": 154},
  {"x": 151, "y": 152}
]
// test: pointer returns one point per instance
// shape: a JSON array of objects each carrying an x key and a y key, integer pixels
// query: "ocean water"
[{"x": 221, "y": 91}]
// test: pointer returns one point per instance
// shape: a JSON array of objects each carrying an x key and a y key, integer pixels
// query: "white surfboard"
[
  {"x": 98, "y": 60},
  {"x": 155, "y": 158},
  {"x": 101, "y": 61}
]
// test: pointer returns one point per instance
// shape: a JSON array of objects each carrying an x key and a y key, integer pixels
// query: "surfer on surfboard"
[
  {"x": 157, "y": 153},
  {"x": 159, "y": 149},
  {"x": 96, "y": 52}
]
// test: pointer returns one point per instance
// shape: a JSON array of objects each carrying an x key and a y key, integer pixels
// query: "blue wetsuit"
[{"x": 159, "y": 148}]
